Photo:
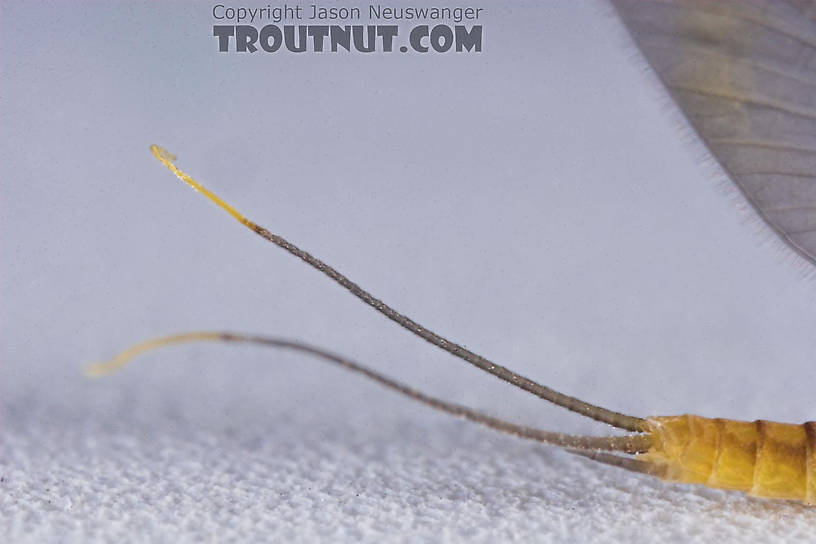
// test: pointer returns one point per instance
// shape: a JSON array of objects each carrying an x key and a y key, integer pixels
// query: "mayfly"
[
  {"x": 744, "y": 74},
  {"x": 762, "y": 458}
]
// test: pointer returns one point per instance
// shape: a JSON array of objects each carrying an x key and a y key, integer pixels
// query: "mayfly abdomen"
[{"x": 761, "y": 458}]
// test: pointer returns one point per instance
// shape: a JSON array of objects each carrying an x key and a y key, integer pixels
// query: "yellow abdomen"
[{"x": 762, "y": 458}]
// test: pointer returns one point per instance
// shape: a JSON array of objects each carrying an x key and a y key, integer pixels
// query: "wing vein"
[{"x": 747, "y": 99}]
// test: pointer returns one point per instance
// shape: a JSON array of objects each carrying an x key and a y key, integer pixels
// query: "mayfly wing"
[{"x": 744, "y": 74}]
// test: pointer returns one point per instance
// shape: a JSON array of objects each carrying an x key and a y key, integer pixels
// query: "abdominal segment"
[{"x": 761, "y": 458}]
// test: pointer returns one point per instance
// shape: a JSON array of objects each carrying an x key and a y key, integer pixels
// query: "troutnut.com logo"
[{"x": 434, "y": 29}]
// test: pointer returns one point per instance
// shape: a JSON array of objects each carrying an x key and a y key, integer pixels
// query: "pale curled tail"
[
  {"x": 626, "y": 444},
  {"x": 168, "y": 160},
  {"x": 100, "y": 369}
]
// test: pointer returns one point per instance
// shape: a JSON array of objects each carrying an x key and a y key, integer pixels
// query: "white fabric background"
[{"x": 541, "y": 203}]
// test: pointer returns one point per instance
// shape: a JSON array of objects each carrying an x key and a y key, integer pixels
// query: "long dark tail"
[
  {"x": 628, "y": 444},
  {"x": 616, "y": 419}
]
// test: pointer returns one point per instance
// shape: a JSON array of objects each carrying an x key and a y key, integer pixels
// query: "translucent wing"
[{"x": 744, "y": 74}]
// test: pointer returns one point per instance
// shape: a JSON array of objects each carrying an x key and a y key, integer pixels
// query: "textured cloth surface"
[{"x": 422, "y": 479}]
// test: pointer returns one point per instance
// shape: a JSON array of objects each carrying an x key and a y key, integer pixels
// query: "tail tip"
[
  {"x": 96, "y": 370},
  {"x": 162, "y": 153}
]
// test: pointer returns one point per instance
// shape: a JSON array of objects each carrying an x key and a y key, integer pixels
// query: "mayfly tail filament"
[
  {"x": 637, "y": 443},
  {"x": 621, "y": 421}
]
